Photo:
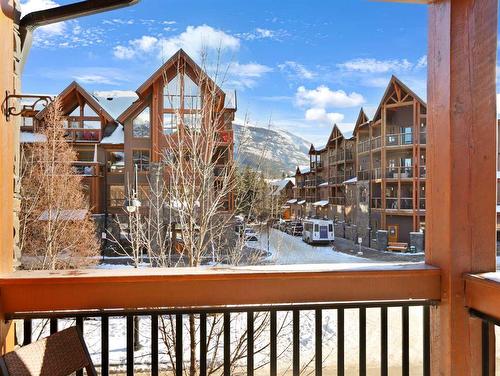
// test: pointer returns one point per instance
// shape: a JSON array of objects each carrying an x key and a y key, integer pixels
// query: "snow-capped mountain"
[{"x": 274, "y": 151}]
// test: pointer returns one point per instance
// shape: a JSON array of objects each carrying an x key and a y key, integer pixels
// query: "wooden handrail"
[
  {"x": 482, "y": 293},
  {"x": 28, "y": 291}
]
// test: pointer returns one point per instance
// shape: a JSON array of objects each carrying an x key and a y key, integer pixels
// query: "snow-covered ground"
[{"x": 287, "y": 249}]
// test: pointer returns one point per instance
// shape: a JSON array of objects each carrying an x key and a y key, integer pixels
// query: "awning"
[
  {"x": 321, "y": 203},
  {"x": 292, "y": 201},
  {"x": 351, "y": 181},
  {"x": 325, "y": 184},
  {"x": 285, "y": 207},
  {"x": 301, "y": 202}
]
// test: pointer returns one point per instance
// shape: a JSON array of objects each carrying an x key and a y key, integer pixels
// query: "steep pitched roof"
[
  {"x": 395, "y": 82},
  {"x": 180, "y": 55},
  {"x": 347, "y": 135},
  {"x": 75, "y": 87},
  {"x": 362, "y": 119}
]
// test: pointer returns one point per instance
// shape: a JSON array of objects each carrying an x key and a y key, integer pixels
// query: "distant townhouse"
[
  {"x": 375, "y": 176},
  {"x": 114, "y": 136}
]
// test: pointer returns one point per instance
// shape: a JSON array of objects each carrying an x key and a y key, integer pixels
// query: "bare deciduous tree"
[{"x": 57, "y": 231}]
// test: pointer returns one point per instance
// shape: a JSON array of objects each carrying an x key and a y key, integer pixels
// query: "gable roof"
[
  {"x": 347, "y": 135},
  {"x": 394, "y": 81},
  {"x": 180, "y": 55},
  {"x": 75, "y": 87},
  {"x": 362, "y": 119}
]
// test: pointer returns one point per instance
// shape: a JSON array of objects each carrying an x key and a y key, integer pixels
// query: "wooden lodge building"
[
  {"x": 113, "y": 135},
  {"x": 375, "y": 176}
]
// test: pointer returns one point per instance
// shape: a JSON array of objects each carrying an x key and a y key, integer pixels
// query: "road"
[{"x": 286, "y": 249}]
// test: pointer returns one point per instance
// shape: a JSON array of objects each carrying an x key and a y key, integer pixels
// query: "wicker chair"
[{"x": 60, "y": 354}]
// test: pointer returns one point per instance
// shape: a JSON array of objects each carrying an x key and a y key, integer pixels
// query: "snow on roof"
[
  {"x": 302, "y": 202},
  {"x": 319, "y": 147},
  {"x": 115, "y": 138},
  {"x": 115, "y": 102},
  {"x": 351, "y": 180},
  {"x": 323, "y": 184},
  {"x": 292, "y": 201},
  {"x": 29, "y": 138},
  {"x": 321, "y": 203},
  {"x": 63, "y": 215},
  {"x": 280, "y": 184},
  {"x": 304, "y": 169}
]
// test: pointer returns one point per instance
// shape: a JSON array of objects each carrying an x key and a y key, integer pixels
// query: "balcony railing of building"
[
  {"x": 282, "y": 302},
  {"x": 376, "y": 203},
  {"x": 83, "y": 135},
  {"x": 336, "y": 180},
  {"x": 88, "y": 168},
  {"x": 399, "y": 172},
  {"x": 363, "y": 146},
  {"x": 404, "y": 139},
  {"x": 337, "y": 200},
  {"x": 364, "y": 175}
]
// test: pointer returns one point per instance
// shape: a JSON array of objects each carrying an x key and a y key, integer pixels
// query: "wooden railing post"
[{"x": 461, "y": 152}]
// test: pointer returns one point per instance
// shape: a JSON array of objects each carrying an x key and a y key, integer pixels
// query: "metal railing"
[
  {"x": 364, "y": 146},
  {"x": 399, "y": 139},
  {"x": 489, "y": 327},
  {"x": 87, "y": 168},
  {"x": 83, "y": 135},
  {"x": 376, "y": 142},
  {"x": 250, "y": 337},
  {"x": 364, "y": 175},
  {"x": 376, "y": 203},
  {"x": 399, "y": 172}
]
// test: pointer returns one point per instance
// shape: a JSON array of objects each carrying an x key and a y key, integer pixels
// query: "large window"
[
  {"x": 181, "y": 104},
  {"x": 116, "y": 161},
  {"x": 116, "y": 196},
  {"x": 141, "y": 160},
  {"x": 141, "y": 124}
]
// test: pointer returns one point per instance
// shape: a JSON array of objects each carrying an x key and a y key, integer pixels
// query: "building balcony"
[
  {"x": 92, "y": 169},
  {"x": 337, "y": 200},
  {"x": 404, "y": 139},
  {"x": 83, "y": 135}
]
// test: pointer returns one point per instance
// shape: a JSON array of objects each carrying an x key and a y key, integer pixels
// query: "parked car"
[{"x": 295, "y": 228}]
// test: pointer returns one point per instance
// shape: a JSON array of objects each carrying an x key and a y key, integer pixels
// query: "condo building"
[
  {"x": 374, "y": 177},
  {"x": 120, "y": 138}
]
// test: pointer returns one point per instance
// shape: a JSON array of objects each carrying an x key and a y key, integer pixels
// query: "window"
[
  {"x": 141, "y": 124},
  {"x": 192, "y": 99},
  {"x": 141, "y": 160},
  {"x": 116, "y": 162},
  {"x": 172, "y": 94},
  {"x": 27, "y": 122},
  {"x": 192, "y": 121},
  {"x": 116, "y": 195},
  {"x": 169, "y": 123},
  {"x": 85, "y": 155}
]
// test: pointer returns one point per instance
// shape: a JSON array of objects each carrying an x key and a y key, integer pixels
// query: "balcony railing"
[
  {"x": 399, "y": 139},
  {"x": 337, "y": 200},
  {"x": 83, "y": 135},
  {"x": 399, "y": 172},
  {"x": 364, "y": 175},
  {"x": 364, "y": 146},
  {"x": 376, "y": 142},
  {"x": 376, "y": 203},
  {"x": 88, "y": 168},
  {"x": 268, "y": 326}
]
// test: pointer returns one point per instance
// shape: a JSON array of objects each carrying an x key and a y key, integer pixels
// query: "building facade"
[
  {"x": 119, "y": 139},
  {"x": 375, "y": 176}
]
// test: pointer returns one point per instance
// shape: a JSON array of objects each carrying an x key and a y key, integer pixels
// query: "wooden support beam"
[{"x": 461, "y": 189}]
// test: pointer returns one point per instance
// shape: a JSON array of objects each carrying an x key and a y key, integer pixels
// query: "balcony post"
[{"x": 461, "y": 197}]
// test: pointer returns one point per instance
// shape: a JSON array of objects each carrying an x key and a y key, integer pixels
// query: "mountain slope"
[{"x": 274, "y": 151}]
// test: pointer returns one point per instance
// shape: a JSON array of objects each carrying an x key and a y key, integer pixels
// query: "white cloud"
[
  {"x": 323, "y": 97},
  {"x": 296, "y": 70},
  {"x": 241, "y": 76},
  {"x": 194, "y": 40},
  {"x": 422, "y": 62},
  {"x": 248, "y": 70},
  {"x": 376, "y": 66},
  {"x": 261, "y": 33},
  {"x": 320, "y": 115},
  {"x": 93, "y": 79},
  {"x": 116, "y": 93},
  {"x": 29, "y": 6}
]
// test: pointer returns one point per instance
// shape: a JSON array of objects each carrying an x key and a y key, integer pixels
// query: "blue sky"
[{"x": 300, "y": 65}]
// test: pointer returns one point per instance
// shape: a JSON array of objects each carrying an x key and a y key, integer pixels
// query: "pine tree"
[{"x": 57, "y": 231}]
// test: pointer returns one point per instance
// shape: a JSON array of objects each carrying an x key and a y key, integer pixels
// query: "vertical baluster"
[
  {"x": 340, "y": 342},
  {"x": 318, "y": 357},
  {"x": 485, "y": 331},
  {"x": 362, "y": 341},
  {"x": 427, "y": 343},
  {"x": 53, "y": 325},
  {"x": 383, "y": 341},
  {"x": 273, "y": 348},
  {"x": 406, "y": 341},
  {"x": 296, "y": 342},
  {"x": 203, "y": 344},
  {"x": 79, "y": 325},
  {"x": 154, "y": 344},
  {"x": 28, "y": 329},
  {"x": 130, "y": 345},
  {"x": 104, "y": 346},
  {"x": 179, "y": 362},
  {"x": 227, "y": 344},
  {"x": 250, "y": 344}
]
